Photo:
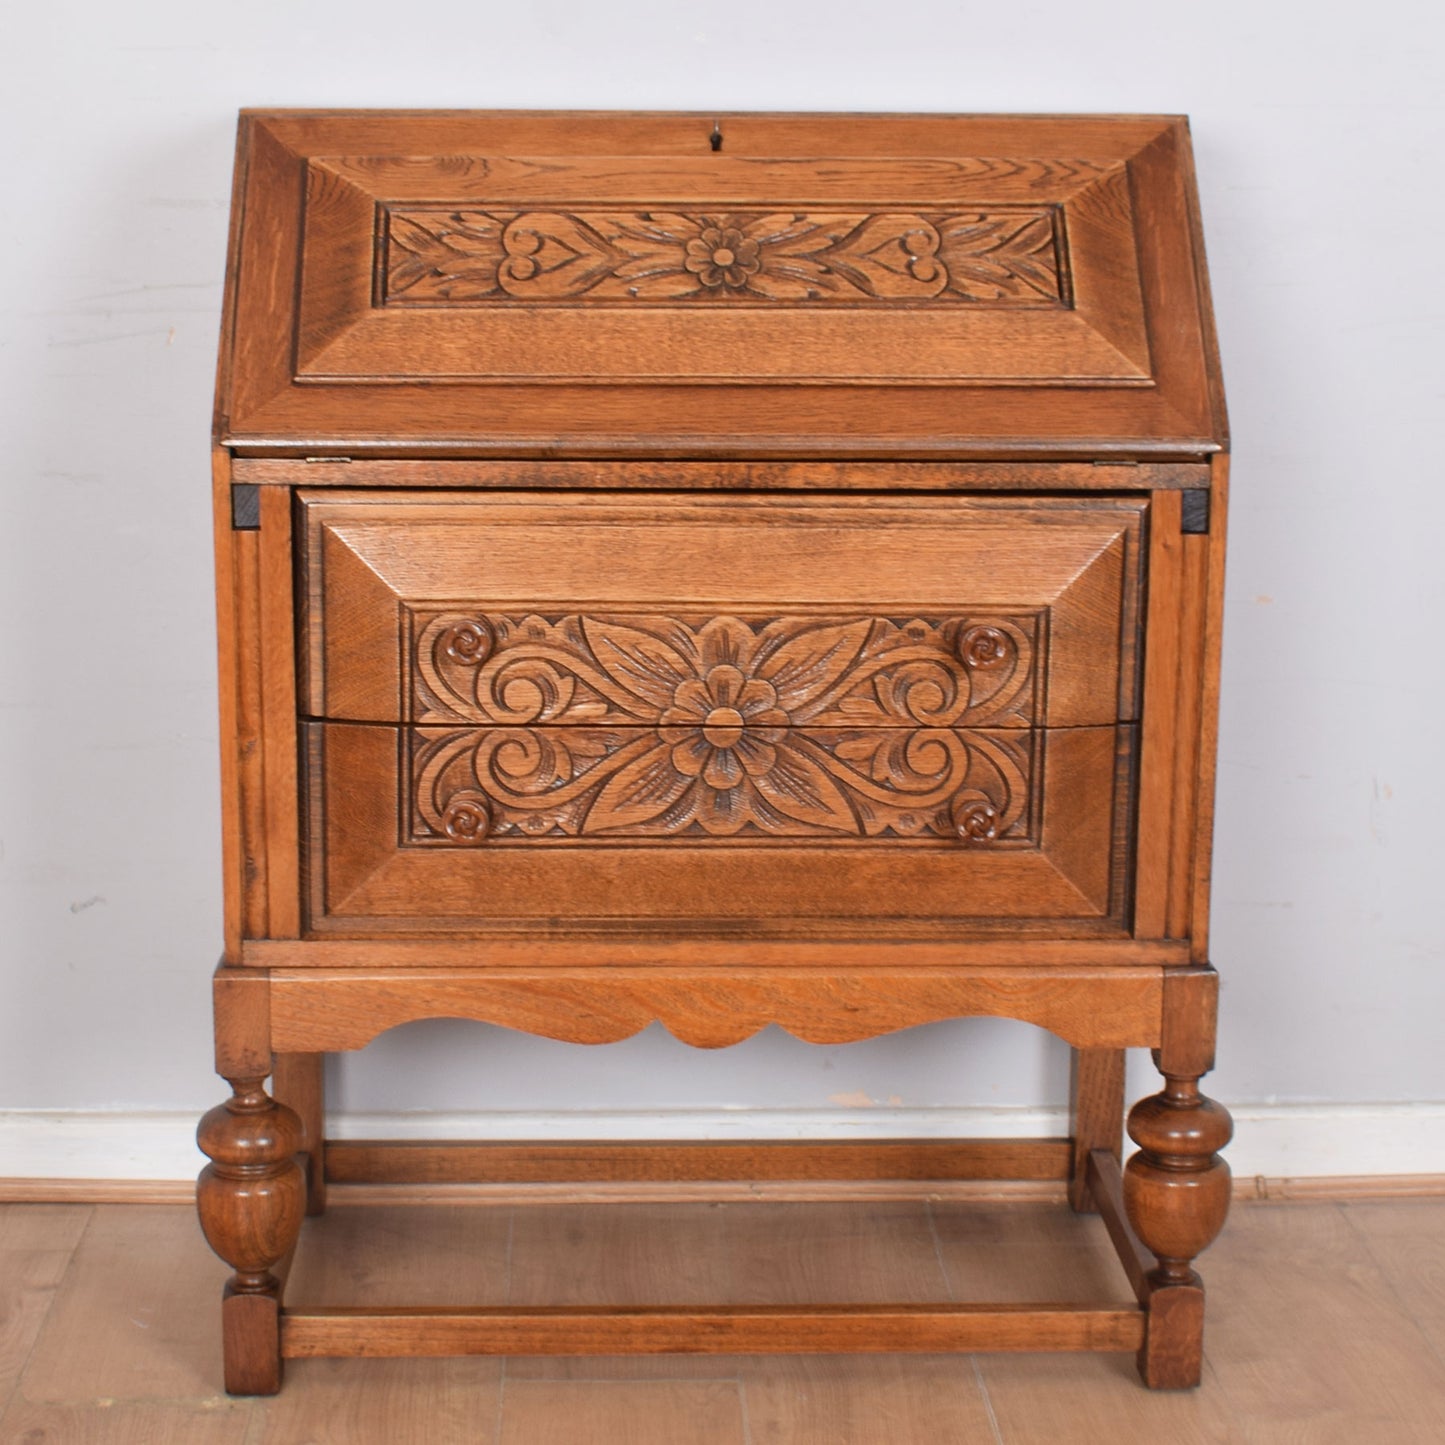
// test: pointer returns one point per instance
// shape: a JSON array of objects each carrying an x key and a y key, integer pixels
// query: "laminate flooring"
[{"x": 1326, "y": 1324}]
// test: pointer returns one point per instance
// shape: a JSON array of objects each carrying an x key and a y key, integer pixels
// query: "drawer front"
[
  {"x": 548, "y": 609},
  {"x": 396, "y": 849},
  {"x": 563, "y": 714}
]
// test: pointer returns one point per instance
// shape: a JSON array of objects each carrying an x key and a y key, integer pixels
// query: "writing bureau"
[{"x": 735, "y": 571}]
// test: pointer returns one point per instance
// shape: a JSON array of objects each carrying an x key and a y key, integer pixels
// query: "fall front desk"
[{"x": 726, "y": 572}]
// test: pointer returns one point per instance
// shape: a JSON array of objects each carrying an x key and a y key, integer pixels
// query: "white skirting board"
[{"x": 1273, "y": 1141}]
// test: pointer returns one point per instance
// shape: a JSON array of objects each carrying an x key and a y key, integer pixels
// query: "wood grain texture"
[
  {"x": 821, "y": 1400},
  {"x": 276, "y": 565},
  {"x": 441, "y": 1162},
  {"x": 576, "y": 281},
  {"x": 334, "y": 1009},
  {"x": 663, "y": 1329},
  {"x": 521, "y": 565},
  {"x": 1318, "y": 1332},
  {"x": 36, "y": 1245},
  {"x": 1130, "y": 253},
  {"x": 1329, "y": 1351},
  {"x": 1157, "y": 749},
  {"x": 729, "y": 586},
  {"x": 1096, "y": 1116},
  {"x": 233, "y": 840},
  {"x": 299, "y": 1083},
  {"x": 137, "y": 1304},
  {"x": 241, "y": 1004},
  {"x": 709, "y": 953},
  {"x": 703, "y": 1412},
  {"x": 399, "y": 1402},
  {"x": 1208, "y": 767},
  {"x": 460, "y": 858},
  {"x": 1106, "y": 1184},
  {"x": 654, "y": 475},
  {"x": 129, "y": 1423},
  {"x": 727, "y": 1253}
]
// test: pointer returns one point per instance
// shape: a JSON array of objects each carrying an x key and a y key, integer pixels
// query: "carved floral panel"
[
  {"x": 445, "y": 256},
  {"x": 691, "y": 778},
  {"x": 979, "y": 670}
]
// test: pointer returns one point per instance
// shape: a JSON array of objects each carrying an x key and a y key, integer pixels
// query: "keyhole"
[{"x": 716, "y": 137}]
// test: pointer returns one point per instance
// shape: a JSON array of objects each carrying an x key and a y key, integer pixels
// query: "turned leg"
[
  {"x": 298, "y": 1081},
  {"x": 1176, "y": 1194},
  {"x": 251, "y": 1199}
]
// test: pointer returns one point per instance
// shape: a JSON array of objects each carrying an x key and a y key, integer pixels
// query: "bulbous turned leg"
[
  {"x": 251, "y": 1199},
  {"x": 1176, "y": 1194}
]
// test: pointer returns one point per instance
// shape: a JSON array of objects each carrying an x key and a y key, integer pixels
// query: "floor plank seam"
[
  {"x": 938, "y": 1252},
  {"x": 741, "y": 1385},
  {"x": 17, "y": 1394},
  {"x": 1213, "y": 1382},
  {"x": 501, "y": 1390},
  {"x": 987, "y": 1401},
  {"x": 1388, "y": 1277}
]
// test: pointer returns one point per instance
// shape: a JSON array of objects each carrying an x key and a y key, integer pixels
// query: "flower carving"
[
  {"x": 469, "y": 643},
  {"x": 722, "y": 256},
  {"x": 467, "y": 819},
  {"x": 724, "y": 726},
  {"x": 627, "y": 726},
  {"x": 449, "y": 255}
]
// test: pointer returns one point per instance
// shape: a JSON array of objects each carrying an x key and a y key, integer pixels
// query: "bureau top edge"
[{"x": 610, "y": 284}]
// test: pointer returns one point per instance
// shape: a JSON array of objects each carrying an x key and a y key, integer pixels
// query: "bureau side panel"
[{"x": 243, "y": 854}]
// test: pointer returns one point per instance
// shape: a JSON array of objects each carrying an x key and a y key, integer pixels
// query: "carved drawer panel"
[
  {"x": 702, "y": 779},
  {"x": 553, "y": 713},
  {"x": 427, "y": 831},
  {"x": 545, "y": 609}
]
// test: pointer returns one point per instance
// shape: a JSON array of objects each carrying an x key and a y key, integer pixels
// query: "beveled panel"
[
  {"x": 578, "y": 609},
  {"x": 380, "y": 858},
  {"x": 522, "y": 283},
  {"x": 472, "y": 283}
]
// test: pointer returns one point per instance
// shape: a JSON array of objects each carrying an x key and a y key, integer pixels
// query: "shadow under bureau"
[{"x": 725, "y": 572}]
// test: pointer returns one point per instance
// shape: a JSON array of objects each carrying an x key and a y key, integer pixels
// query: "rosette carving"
[
  {"x": 974, "y": 817},
  {"x": 467, "y": 818},
  {"x": 440, "y": 256}
]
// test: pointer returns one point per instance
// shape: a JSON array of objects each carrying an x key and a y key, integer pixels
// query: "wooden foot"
[
  {"x": 1176, "y": 1194},
  {"x": 251, "y": 1199}
]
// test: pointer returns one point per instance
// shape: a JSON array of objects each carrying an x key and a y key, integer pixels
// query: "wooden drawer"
[{"x": 546, "y": 713}]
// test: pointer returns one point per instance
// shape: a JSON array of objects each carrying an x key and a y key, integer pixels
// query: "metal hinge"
[
  {"x": 245, "y": 507},
  {"x": 1194, "y": 511}
]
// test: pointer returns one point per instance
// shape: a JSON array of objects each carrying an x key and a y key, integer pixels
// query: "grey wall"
[{"x": 1319, "y": 137}]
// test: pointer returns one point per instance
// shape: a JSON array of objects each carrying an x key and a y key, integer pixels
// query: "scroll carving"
[
  {"x": 721, "y": 674},
  {"x": 713, "y": 777},
  {"x": 445, "y": 256}
]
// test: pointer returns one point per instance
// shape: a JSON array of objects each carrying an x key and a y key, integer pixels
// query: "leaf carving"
[
  {"x": 537, "y": 784},
  {"x": 1006, "y": 256},
  {"x": 673, "y": 671}
]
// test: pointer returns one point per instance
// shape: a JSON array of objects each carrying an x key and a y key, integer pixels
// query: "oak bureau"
[{"x": 724, "y": 571}]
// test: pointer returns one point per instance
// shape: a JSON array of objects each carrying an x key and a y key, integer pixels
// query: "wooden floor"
[{"x": 1327, "y": 1325}]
